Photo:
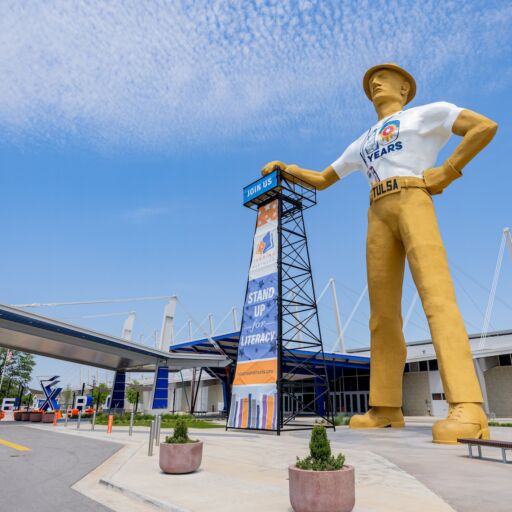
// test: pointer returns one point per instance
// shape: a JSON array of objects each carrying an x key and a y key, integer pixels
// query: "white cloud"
[
  {"x": 142, "y": 214},
  {"x": 174, "y": 73}
]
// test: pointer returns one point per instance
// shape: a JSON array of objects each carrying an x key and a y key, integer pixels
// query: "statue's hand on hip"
[{"x": 438, "y": 178}]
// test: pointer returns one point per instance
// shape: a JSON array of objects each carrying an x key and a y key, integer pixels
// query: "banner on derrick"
[{"x": 254, "y": 394}]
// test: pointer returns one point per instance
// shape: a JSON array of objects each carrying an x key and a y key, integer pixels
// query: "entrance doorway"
[
  {"x": 304, "y": 402},
  {"x": 356, "y": 402}
]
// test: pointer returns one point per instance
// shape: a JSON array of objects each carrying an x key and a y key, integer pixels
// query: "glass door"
[{"x": 356, "y": 402}]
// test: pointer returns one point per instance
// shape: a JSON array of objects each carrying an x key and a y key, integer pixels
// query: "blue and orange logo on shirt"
[
  {"x": 379, "y": 142},
  {"x": 389, "y": 132}
]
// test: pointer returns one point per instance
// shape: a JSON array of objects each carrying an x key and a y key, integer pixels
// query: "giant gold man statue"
[{"x": 398, "y": 154}]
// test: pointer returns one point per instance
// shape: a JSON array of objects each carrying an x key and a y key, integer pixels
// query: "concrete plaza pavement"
[
  {"x": 468, "y": 485},
  {"x": 251, "y": 469}
]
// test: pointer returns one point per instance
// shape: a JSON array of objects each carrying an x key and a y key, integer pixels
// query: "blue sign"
[
  {"x": 51, "y": 392},
  {"x": 259, "y": 187},
  {"x": 258, "y": 339}
]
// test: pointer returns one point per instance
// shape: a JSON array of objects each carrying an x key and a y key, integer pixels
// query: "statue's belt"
[{"x": 393, "y": 185}]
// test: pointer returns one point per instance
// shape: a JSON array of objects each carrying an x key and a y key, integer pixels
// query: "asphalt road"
[{"x": 40, "y": 480}]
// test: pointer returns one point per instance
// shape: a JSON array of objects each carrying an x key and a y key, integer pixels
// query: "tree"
[
  {"x": 17, "y": 371},
  {"x": 100, "y": 393},
  {"x": 67, "y": 395},
  {"x": 132, "y": 392}
]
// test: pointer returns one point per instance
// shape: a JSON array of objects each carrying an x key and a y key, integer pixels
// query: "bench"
[{"x": 504, "y": 445}]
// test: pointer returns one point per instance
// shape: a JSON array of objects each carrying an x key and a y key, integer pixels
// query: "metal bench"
[{"x": 504, "y": 445}]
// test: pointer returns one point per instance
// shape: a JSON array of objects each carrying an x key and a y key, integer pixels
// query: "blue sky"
[{"x": 128, "y": 129}]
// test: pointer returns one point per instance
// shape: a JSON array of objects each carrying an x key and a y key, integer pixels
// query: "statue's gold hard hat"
[{"x": 393, "y": 67}]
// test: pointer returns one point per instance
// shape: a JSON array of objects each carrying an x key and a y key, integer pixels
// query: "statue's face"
[{"x": 387, "y": 85}]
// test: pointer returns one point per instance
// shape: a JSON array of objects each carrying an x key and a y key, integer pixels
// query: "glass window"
[
  {"x": 362, "y": 403},
  {"x": 432, "y": 365},
  {"x": 350, "y": 384},
  {"x": 363, "y": 383},
  {"x": 414, "y": 367},
  {"x": 348, "y": 403},
  {"x": 505, "y": 360},
  {"x": 423, "y": 366},
  {"x": 437, "y": 396}
]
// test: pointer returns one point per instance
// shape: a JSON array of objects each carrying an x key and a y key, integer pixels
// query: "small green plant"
[
  {"x": 342, "y": 419},
  {"x": 320, "y": 457},
  {"x": 499, "y": 424},
  {"x": 180, "y": 435}
]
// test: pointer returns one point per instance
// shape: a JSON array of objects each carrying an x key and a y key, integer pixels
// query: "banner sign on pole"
[
  {"x": 254, "y": 394},
  {"x": 260, "y": 187}
]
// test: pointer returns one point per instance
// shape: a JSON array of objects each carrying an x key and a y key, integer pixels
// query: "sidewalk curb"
[{"x": 160, "y": 505}]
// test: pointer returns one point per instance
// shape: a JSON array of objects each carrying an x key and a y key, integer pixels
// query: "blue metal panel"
[
  {"x": 230, "y": 336},
  {"x": 118, "y": 391},
  {"x": 225, "y": 394},
  {"x": 319, "y": 397},
  {"x": 161, "y": 388}
]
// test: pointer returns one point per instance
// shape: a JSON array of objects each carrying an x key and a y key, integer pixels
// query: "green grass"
[
  {"x": 168, "y": 421},
  {"x": 499, "y": 424},
  {"x": 341, "y": 419}
]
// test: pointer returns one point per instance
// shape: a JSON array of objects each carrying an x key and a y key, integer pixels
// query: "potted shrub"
[
  {"x": 18, "y": 415},
  {"x": 180, "y": 454},
  {"x": 48, "y": 417},
  {"x": 321, "y": 482},
  {"x": 36, "y": 416},
  {"x": 73, "y": 413}
]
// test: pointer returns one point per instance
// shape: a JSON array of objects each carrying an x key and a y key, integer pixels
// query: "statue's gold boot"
[
  {"x": 379, "y": 417},
  {"x": 465, "y": 420}
]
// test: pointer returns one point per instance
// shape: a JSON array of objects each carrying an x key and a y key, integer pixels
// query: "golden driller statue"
[{"x": 398, "y": 154}]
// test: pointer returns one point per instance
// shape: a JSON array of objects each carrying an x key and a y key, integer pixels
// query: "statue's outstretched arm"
[{"x": 318, "y": 179}]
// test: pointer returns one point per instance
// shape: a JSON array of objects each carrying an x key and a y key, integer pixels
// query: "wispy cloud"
[
  {"x": 174, "y": 73},
  {"x": 143, "y": 214}
]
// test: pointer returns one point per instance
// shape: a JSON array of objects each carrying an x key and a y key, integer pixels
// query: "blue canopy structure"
[{"x": 228, "y": 345}]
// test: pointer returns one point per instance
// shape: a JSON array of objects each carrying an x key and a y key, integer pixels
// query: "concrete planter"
[
  {"x": 177, "y": 459},
  {"x": 322, "y": 491},
  {"x": 25, "y": 416},
  {"x": 17, "y": 415},
  {"x": 36, "y": 417},
  {"x": 48, "y": 417}
]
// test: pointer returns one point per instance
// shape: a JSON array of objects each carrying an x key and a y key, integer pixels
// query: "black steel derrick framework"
[{"x": 298, "y": 322}]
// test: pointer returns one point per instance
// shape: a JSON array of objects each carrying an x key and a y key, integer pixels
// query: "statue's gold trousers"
[{"x": 403, "y": 223}]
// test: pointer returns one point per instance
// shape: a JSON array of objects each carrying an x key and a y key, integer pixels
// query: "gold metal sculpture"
[{"x": 398, "y": 155}]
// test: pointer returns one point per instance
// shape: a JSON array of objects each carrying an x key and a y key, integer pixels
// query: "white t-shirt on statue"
[{"x": 403, "y": 144}]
